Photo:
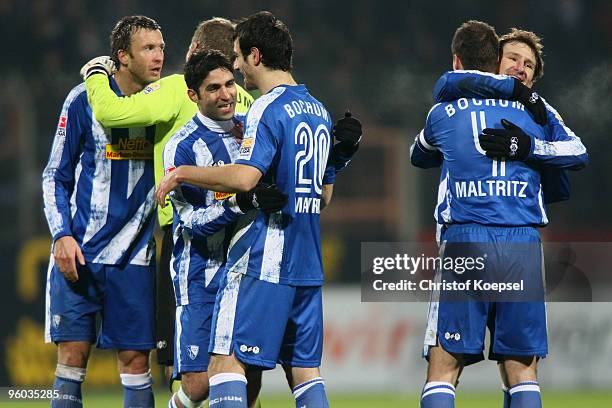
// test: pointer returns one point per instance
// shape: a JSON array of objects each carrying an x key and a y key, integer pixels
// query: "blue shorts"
[
  {"x": 517, "y": 328},
  {"x": 124, "y": 296},
  {"x": 265, "y": 324},
  {"x": 192, "y": 337}
]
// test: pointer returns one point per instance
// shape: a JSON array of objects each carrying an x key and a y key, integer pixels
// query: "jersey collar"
[{"x": 218, "y": 126}]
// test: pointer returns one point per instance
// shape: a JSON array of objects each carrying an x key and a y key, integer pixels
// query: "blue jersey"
[
  {"x": 203, "y": 219},
  {"x": 98, "y": 185},
  {"x": 568, "y": 151},
  {"x": 288, "y": 138},
  {"x": 560, "y": 147},
  {"x": 473, "y": 187}
]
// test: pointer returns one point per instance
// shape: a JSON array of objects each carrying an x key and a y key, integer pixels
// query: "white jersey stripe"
[
  {"x": 273, "y": 249},
  {"x": 224, "y": 330},
  {"x": 100, "y": 189}
]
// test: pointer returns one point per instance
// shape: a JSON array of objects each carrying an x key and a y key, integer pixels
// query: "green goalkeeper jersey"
[{"x": 163, "y": 103}]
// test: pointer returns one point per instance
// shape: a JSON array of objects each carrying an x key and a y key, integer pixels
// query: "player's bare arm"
[
  {"x": 232, "y": 178},
  {"x": 328, "y": 191}
]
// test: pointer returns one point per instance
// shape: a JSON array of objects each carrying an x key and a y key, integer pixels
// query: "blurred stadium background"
[{"x": 381, "y": 59}]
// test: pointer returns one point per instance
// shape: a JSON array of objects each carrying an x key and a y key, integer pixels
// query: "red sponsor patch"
[
  {"x": 169, "y": 169},
  {"x": 63, "y": 120}
]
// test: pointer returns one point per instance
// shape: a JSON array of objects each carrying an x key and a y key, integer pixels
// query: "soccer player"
[
  {"x": 268, "y": 308},
  {"x": 521, "y": 58},
  {"x": 99, "y": 202},
  {"x": 165, "y": 104},
  {"x": 500, "y": 220},
  {"x": 203, "y": 219}
]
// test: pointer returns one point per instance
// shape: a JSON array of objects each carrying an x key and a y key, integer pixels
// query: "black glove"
[
  {"x": 347, "y": 132},
  {"x": 532, "y": 101},
  {"x": 265, "y": 197},
  {"x": 510, "y": 143}
]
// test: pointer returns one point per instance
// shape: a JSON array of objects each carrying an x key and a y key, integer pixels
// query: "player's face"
[
  {"x": 218, "y": 95},
  {"x": 242, "y": 64},
  {"x": 518, "y": 60},
  {"x": 146, "y": 56}
]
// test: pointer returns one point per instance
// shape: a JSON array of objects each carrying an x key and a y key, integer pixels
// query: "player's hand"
[
  {"x": 532, "y": 101},
  {"x": 265, "y": 197},
  {"x": 66, "y": 253},
  {"x": 510, "y": 142},
  {"x": 348, "y": 129},
  {"x": 168, "y": 183},
  {"x": 99, "y": 65}
]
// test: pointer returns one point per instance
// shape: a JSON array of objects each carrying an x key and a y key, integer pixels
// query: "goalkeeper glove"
[
  {"x": 510, "y": 143},
  {"x": 265, "y": 197},
  {"x": 532, "y": 101},
  {"x": 99, "y": 65}
]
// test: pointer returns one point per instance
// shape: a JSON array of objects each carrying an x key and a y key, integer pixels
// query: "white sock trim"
[
  {"x": 70, "y": 373},
  {"x": 140, "y": 381},
  {"x": 438, "y": 391},
  {"x": 226, "y": 377},
  {"x": 186, "y": 401},
  {"x": 432, "y": 384},
  {"x": 306, "y": 385},
  {"x": 525, "y": 388}
]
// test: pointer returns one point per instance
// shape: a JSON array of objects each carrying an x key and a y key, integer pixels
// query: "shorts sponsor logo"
[
  {"x": 63, "y": 121},
  {"x": 452, "y": 336},
  {"x": 249, "y": 349},
  {"x": 192, "y": 351},
  {"x": 162, "y": 344},
  {"x": 56, "y": 320}
]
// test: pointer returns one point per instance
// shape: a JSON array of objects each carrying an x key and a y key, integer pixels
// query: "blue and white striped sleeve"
[
  {"x": 562, "y": 148},
  {"x": 197, "y": 219},
  {"x": 472, "y": 84},
  {"x": 59, "y": 174}
]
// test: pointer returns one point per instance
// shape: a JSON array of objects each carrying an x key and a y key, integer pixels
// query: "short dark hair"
[
  {"x": 270, "y": 36},
  {"x": 200, "y": 64},
  {"x": 121, "y": 36},
  {"x": 477, "y": 46},
  {"x": 532, "y": 41},
  {"x": 215, "y": 34}
]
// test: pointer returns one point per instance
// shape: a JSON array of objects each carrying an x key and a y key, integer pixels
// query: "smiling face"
[
  {"x": 145, "y": 56},
  {"x": 217, "y": 95},
  {"x": 518, "y": 60}
]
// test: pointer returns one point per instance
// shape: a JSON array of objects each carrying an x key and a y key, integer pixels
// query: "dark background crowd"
[{"x": 380, "y": 59}]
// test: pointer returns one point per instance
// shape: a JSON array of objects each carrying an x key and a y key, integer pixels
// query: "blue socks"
[
  {"x": 228, "y": 390},
  {"x": 137, "y": 390},
  {"x": 68, "y": 382},
  {"x": 438, "y": 394},
  {"x": 311, "y": 394},
  {"x": 525, "y": 395},
  {"x": 507, "y": 398}
]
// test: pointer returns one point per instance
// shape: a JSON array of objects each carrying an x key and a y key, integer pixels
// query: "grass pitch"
[{"x": 591, "y": 399}]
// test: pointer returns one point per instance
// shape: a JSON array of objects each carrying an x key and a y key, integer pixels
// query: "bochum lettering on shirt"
[
  {"x": 464, "y": 103},
  {"x": 299, "y": 107}
]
